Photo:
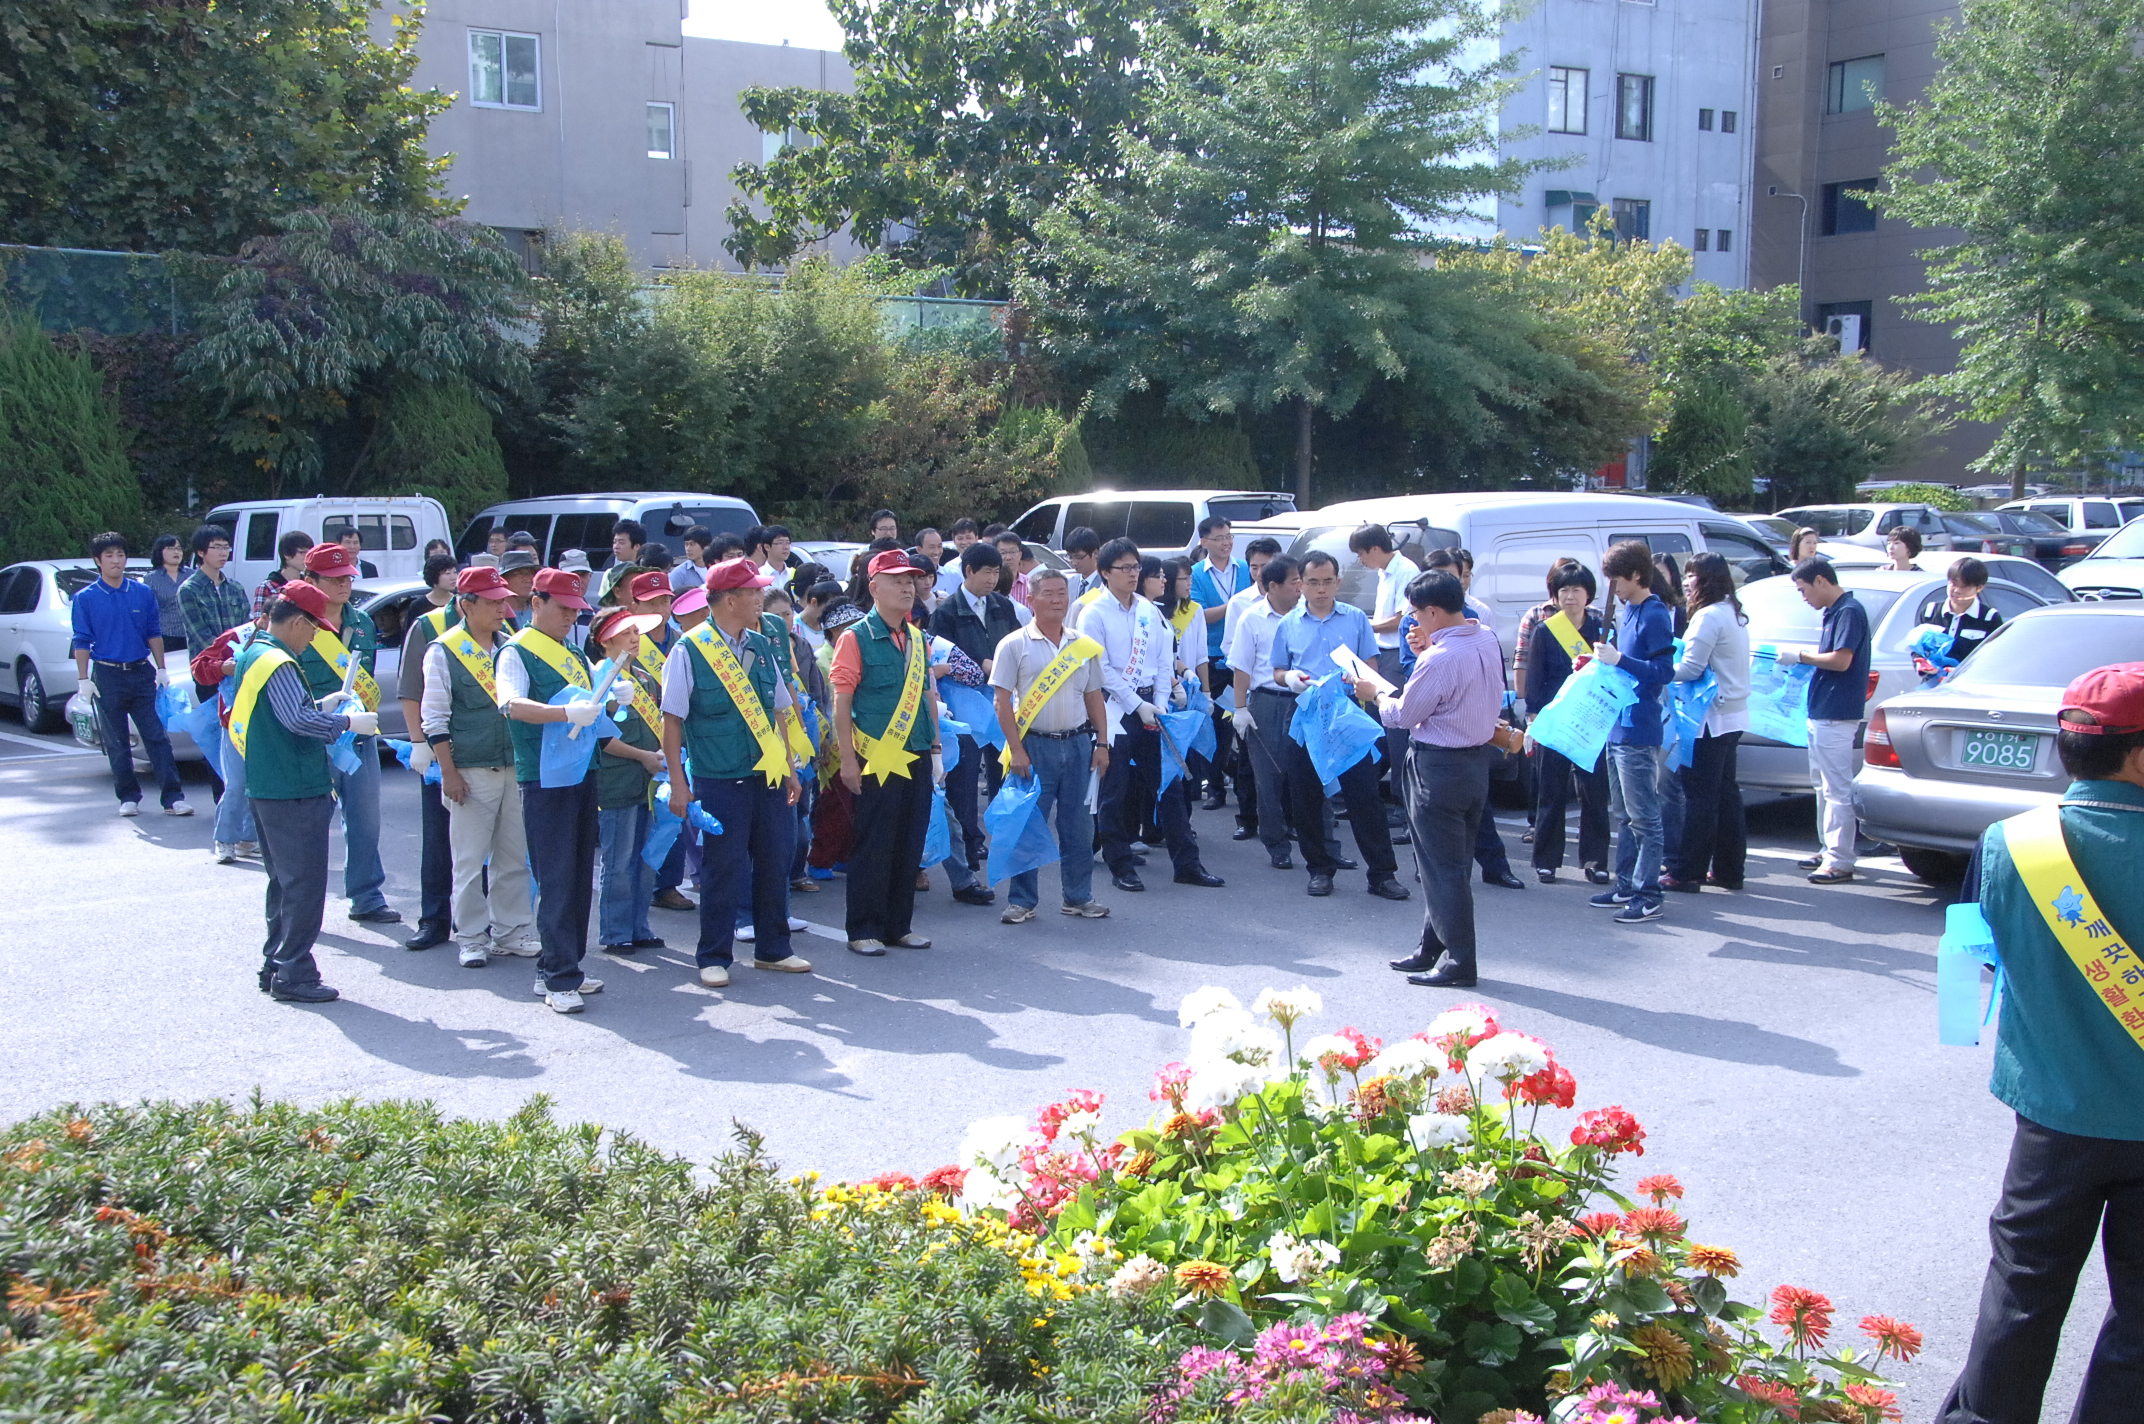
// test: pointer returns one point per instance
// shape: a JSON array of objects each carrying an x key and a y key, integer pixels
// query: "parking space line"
[{"x": 49, "y": 748}]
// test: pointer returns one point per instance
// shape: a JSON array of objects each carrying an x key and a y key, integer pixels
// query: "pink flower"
[
  {"x": 1052, "y": 1117},
  {"x": 1169, "y": 1084},
  {"x": 1611, "y": 1129}
]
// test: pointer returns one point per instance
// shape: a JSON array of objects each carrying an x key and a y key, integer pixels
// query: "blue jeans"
[
  {"x": 359, "y": 793},
  {"x": 234, "y": 813},
  {"x": 131, "y": 692},
  {"x": 1634, "y": 807},
  {"x": 627, "y": 881},
  {"x": 1061, "y": 765}
]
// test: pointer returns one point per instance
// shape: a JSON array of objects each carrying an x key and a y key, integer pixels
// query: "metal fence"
[{"x": 118, "y": 293}]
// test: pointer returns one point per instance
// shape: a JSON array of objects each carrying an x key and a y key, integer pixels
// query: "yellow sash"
[
  {"x": 338, "y": 657},
  {"x": 714, "y": 650},
  {"x": 1076, "y": 650},
  {"x": 1567, "y": 635},
  {"x": 642, "y": 702},
  {"x": 556, "y": 655},
  {"x": 887, "y": 754},
  {"x": 249, "y": 692},
  {"x": 464, "y": 650},
  {"x": 650, "y": 656},
  {"x": 2043, "y": 862},
  {"x": 1091, "y": 595},
  {"x": 438, "y": 619}
]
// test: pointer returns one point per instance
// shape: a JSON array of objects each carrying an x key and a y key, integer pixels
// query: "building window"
[
  {"x": 502, "y": 70},
  {"x": 1704, "y": 240},
  {"x": 1727, "y": 121},
  {"x": 1723, "y": 240},
  {"x": 1582, "y": 205},
  {"x": 1704, "y": 120},
  {"x": 772, "y": 142},
  {"x": 662, "y": 130},
  {"x": 1567, "y": 100},
  {"x": 1633, "y": 219},
  {"x": 1848, "y": 322},
  {"x": 1855, "y": 84},
  {"x": 1845, "y": 210},
  {"x": 1634, "y": 107}
]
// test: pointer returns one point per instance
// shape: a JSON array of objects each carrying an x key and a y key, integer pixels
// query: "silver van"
[
  {"x": 1158, "y": 521},
  {"x": 586, "y": 521}
]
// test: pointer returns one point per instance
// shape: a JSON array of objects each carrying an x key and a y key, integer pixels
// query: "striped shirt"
[{"x": 1456, "y": 691}]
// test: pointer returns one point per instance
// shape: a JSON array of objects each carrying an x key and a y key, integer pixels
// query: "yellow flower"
[{"x": 1202, "y": 1277}]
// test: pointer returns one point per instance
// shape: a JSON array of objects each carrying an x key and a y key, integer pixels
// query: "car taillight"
[
  {"x": 1987, "y": 546},
  {"x": 2076, "y": 551},
  {"x": 1876, "y": 748},
  {"x": 1873, "y": 676}
]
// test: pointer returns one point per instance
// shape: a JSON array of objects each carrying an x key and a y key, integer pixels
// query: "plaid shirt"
[{"x": 210, "y": 606}]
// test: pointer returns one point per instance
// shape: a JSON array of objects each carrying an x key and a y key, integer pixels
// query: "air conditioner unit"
[{"x": 1847, "y": 329}]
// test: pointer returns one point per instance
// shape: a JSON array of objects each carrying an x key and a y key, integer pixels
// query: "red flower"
[
  {"x": 1366, "y": 1048},
  {"x": 1552, "y": 1087},
  {"x": 891, "y": 1182},
  {"x": 1653, "y": 1222},
  {"x": 1892, "y": 1337},
  {"x": 1078, "y": 1100},
  {"x": 1522, "y": 1172},
  {"x": 1610, "y": 1129},
  {"x": 1660, "y": 1188},
  {"x": 1804, "y": 1314},
  {"x": 1881, "y": 1401},
  {"x": 1603, "y": 1224},
  {"x": 946, "y": 1181},
  {"x": 1781, "y": 1397}
]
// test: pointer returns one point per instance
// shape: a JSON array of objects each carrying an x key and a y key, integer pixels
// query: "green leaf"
[
  {"x": 1516, "y": 1302},
  {"x": 1225, "y": 1319},
  {"x": 1709, "y": 1293},
  {"x": 1497, "y": 1344}
]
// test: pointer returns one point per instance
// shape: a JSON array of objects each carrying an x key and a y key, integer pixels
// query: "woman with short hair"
[{"x": 1714, "y": 844}]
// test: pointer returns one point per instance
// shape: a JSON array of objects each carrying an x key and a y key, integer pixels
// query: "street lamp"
[{"x": 1801, "y": 261}]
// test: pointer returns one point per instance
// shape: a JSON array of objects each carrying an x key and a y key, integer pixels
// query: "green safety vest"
[
  {"x": 280, "y": 764},
  {"x": 722, "y": 746},
  {"x": 885, "y": 668}
]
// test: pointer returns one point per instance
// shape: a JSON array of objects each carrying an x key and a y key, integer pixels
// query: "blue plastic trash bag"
[
  {"x": 1183, "y": 732},
  {"x": 1020, "y": 840},
  {"x": 565, "y": 757},
  {"x": 663, "y": 829},
  {"x": 1333, "y": 729},
  {"x": 1197, "y": 700},
  {"x": 404, "y": 753},
  {"x": 973, "y": 709},
  {"x": 1689, "y": 704},
  {"x": 1968, "y": 943},
  {"x": 1778, "y": 699},
  {"x": 174, "y": 704},
  {"x": 937, "y": 840},
  {"x": 949, "y": 734},
  {"x": 343, "y": 752},
  {"x": 1577, "y": 720}
]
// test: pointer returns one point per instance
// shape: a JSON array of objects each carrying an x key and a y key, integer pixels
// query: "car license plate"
[{"x": 2001, "y": 751}]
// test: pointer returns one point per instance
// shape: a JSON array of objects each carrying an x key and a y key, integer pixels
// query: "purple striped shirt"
[{"x": 1456, "y": 691}]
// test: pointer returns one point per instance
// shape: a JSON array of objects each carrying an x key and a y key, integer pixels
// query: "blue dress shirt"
[
  {"x": 115, "y": 624},
  {"x": 1306, "y": 643}
]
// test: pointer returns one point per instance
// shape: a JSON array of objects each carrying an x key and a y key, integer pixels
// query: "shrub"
[
  {"x": 63, "y": 460},
  {"x": 211, "y": 1261},
  {"x": 1934, "y": 496},
  {"x": 436, "y": 438}
]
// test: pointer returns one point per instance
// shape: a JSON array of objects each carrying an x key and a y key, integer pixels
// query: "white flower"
[
  {"x": 1218, "y": 1083},
  {"x": 1200, "y": 1002},
  {"x": 1325, "y": 1045},
  {"x": 1080, "y": 1126},
  {"x": 995, "y": 1143},
  {"x": 1286, "y": 1006},
  {"x": 1096, "y": 1255},
  {"x": 1232, "y": 1033},
  {"x": 1469, "y": 1020},
  {"x": 984, "y": 1190},
  {"x": 1430, "y": 1130},
  {"x": 1137, "y": 1276},
  {"x": 1508, "y": 1056},
  {"x": 1409, "y": 1058},
  {"x": 1295, "y": 1260}
]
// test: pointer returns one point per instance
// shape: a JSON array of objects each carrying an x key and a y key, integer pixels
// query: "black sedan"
[{"x": 2021, "y": 532}]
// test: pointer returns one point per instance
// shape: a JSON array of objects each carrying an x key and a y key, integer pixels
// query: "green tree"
[
  {"x": 63, "y": 461},
  {"x": 1822, "y": 422},
  {"x": 196, "y": 126},
  {"x": 1263, "y": 247},
  {"x": 436, "y": 439},
  {"x": 2029, "y": 144}
]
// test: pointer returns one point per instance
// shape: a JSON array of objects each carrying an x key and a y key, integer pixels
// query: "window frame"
[
  {"x": 1585, "y": 81},
  {"x": 669, "y": 153},
  {"x": 1704, "y": 121},
  {"x": 1704, "y": 240},
  {"x": 1723, "y": 239},
  {"x": 1831, "y": 202},
  {"x": 1728, "y": 119},
  {"x": 1640, "y": 208},
  {"x": 504, "y": 100},
  {"x": 1644, "y": 88},
  {"x": 1835, "y": 85}
]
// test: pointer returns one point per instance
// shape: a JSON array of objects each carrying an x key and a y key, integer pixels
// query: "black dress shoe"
[
  {"x": 1214, "y": 802},
  {"x": 651, "y": 942},
  {"x": 302, "y": 994},
  {"x": 1341, "y": 862},
  {"x": 975, "y": 895},
  {"x": 1283, "y": 861},
  {"x": 1138, "y": 858},
  {"x": 1320, "y": 884},
  {"x": 1505, "y": 880},
  {"x": 1449, "y": 977},
  {"x": 1128, "y": 881},
  {"x": 1388, "y": 889},
  {"x": 1546, "y": 877},
  {"x": 618, "y": 949},
  {"x": 385, "y": 915},
  {"x": 427, "y": 939},
  {"x": 1200, "y": 875},
  {"x": 267, "y": 978},
  {"x": 1243, "y": 832},
  {"x": 1414, "y": 963}
]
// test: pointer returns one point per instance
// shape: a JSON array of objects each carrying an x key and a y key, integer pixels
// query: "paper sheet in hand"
[{"x": 1361, "y": 671}]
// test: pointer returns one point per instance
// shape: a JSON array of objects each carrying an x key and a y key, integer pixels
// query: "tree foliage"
[
  {"x": 436, "y": 439},
  {"x": 196, "y": 126},
  {"x": 63, "y": 462},
  {"x": 2029, "y": 144},
  {"x": 1823, "y": 422}
]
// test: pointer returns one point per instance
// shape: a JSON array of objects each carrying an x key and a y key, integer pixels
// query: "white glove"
[
  {"x": 420, "y": 755},
  {"x": 1242, "y": 718},
  {"x": 1294, "y": 679},
  {"x": 1607, "y": 653},
  {"x": 163, "y": 676},
  {"x": 88, "y": 688},
  {"x": 583, "y": 714},
  {"x": 364, "y": 723},
  {"x": 1149, "y": 714},
  {"x": 334, "y": 700}
]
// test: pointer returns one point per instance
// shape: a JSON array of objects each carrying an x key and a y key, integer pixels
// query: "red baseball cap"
[
  {"x": 309, "y": 598},
  {"x": 330, "y": 561},
  {"x": 739, "y": 572},
  {"x": 896, "y": 561},
  {"x": 648, "y": 585},
  {"x": 2112, "y": 696},
  {"x": 482, "y": 582},
  {"x": 561, "y": 587},
  {"x": 611, "y": 622}
]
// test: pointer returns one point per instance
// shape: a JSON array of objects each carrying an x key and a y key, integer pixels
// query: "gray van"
[{"x": 586, "y": 521}]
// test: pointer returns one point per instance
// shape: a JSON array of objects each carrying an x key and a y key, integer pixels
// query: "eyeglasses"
[{"x": 1124, "y": 568}]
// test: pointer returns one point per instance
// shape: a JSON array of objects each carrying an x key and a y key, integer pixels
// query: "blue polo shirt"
[
  {"x": 1841, "y": 696},
  {"x": 1306, "y": 643},
  {"x": 1207, "y": 592},
  {"x": 114, "y": 625}
]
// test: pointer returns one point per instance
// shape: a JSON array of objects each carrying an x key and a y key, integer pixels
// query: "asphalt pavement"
[{"x": 1778, "y": 1045}]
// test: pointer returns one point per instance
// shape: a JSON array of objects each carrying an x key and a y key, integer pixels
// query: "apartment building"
[
  {"x": 1647, "y": 107},
  {"x": 601, "y": 114}
]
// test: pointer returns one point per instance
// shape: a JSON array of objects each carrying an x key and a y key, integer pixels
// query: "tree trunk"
[
  {"x": 1303, "y": 414},
  {"x": 2017, "y": 480}
]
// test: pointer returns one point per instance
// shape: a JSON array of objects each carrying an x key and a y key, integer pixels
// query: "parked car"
[
  {"x": 1943, "y": 764},
  {"x": 2114, "y": 570},
  {"x": 1870, "y": 524},
  {"x": 1896, "y": 603},
  {"x": 2100, "y": 514},
  {"x": 836, "y": 554},
  {"x": 37, "y": 634},
  {"x": 1159, "y": 521},
  {"x": 586, "y": 522},
  {"x": 2022, "y": 531},
  {"x": 393, "y": 529}
]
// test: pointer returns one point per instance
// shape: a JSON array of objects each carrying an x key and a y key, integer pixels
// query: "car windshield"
[
  {"x": 2031, "y": 521},
  {"x": 1778, "y": 615},
  {"x": 1830, "y": 523},
  {"x": 2126, "y": 542},
  {"x": 1971, "y": 524},
  {"x": 2053, "y": 652},
  {"x": 1242, "y": 510}
]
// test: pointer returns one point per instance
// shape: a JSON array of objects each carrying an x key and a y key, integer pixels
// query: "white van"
[
  {"x": 1515, "y": 537},
  {"x": 586, "y": 521},
  {"x": 1159, "y": 521},
  {"x": 394, "y": 528}
]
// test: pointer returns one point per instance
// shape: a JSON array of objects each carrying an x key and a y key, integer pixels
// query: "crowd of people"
[{"x": 778, "y": 723}]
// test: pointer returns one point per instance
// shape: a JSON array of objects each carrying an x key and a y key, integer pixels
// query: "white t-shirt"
[{"x": 1392, "y": 596}]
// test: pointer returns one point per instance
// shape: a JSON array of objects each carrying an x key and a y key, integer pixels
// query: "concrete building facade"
[{"x": 601, "y": 114}]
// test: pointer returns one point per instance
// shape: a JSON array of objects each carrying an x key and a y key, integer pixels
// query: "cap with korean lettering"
[
  {"x": 561, "y": 586},
  {"x": 735, "y": 573},
  {"x": 481, "y": 583},
  {"x": 330, "y": 561}
]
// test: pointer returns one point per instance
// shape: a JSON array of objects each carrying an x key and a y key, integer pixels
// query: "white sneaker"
[
  {"x": 225, "y": 852},
  {"x": 588, "y": 986},
  {"x": 178, "y": 808},
  {"x": 1017, "y": 915},
  {"x": 517, "y": 948},
  {"x": 130, "y": 808},
  {"x": 797, "y": 926},
  {"x": 746, "y": 934},
  {"x": 563, "y": 1001},
  {"x": 250, "y": 848},
  {"x": 716, "y": 976},
  {"x": 473, "y": 956},
  {"x": 794, "y": 964}
]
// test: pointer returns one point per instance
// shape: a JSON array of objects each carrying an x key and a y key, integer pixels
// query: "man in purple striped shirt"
[{"x": 1449, "y": 710}]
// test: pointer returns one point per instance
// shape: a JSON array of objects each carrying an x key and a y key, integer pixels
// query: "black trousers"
[
  {"x": 1365, "y": 811},
  {"x": 1127, "y": 793},
  {"x": 963, "y": 788},
  {"x": 1231, "y": 763},
  {"x": 747, "y": 865},
  {"x": 294, "y": 852},
  {"x": 2059, "y": 1192},
  {"x": 1553, "y": 774},
  {"x": 1715, "y": 836},
  {"x": 1447, "y": 795},
  {"x": 561, "y": 826},
  {"x": 435, "y": 872},
  {"x": 892, "y": 816}
]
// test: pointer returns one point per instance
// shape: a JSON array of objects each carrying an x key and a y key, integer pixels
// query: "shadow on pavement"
[
  {"x": 1727, "y": 1040},
  {"x": 424, "y": 1046}
]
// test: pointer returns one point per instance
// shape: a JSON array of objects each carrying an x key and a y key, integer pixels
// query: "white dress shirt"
[
  {"x": 1239, "y": 603},
  {"x": 677, "y": 674},
  {"x": 1138, "y": 651},
  {"x": 1392, "y": 584},
  {"x": 1250, "y": 647}
]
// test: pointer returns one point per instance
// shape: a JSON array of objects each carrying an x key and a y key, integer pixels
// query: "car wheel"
[
  {"x": 1937, "y": 867},
  {"x": 38, "y": 713}
]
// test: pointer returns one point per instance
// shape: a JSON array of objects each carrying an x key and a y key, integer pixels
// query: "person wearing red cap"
[
  {"x": 560, "y": 822},
  {"x": 435, "y": 875},
  {"x": 625, "y": 767},
  {"x": 2060, "y": 890},
  {"x": 649, "y": 594},
  {"x": 282, "y": 734},
  {"x": 724, "y": 699},
  {"x": 886, "y": 726},
  {"x": 338, "y": 669},
  {"x": 466, "y": 732}
]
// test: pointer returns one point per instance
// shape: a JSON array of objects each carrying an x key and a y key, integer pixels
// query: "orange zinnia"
[
  {"x": 1715, "y": 1260},
  {"x": 1202, "y": 1277}
]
